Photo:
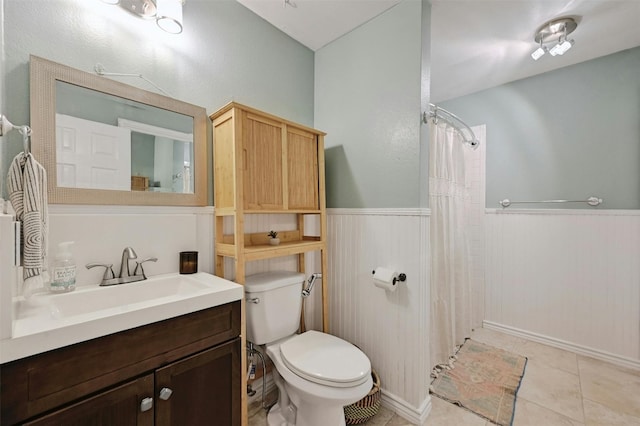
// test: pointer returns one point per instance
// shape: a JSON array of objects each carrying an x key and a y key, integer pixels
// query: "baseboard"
[
  {"x": 390, "y": 401},
  {"x": 563, "y": 344},
  {"x": 417, "y": 416}
]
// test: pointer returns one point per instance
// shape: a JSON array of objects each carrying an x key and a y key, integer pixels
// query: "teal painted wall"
[
  {"x": 566, "y": 134},
  {"x": 225, "y": 53},
  {"x": 569, "y": 133},
  {"x": 425, "y": 98},
  {"x": 367, "y": 99}
]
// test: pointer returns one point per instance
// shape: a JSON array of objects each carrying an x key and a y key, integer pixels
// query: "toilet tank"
[{"x": 274, "y": 303}]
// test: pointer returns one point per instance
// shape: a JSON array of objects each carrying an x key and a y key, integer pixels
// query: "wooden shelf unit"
[{"x": 264, "y": 164}]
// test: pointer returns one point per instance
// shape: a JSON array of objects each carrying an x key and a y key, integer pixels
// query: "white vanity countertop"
[{"x": 49, "y": 321}]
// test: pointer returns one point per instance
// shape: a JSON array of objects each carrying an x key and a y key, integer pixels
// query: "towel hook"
[
  {"x": 25, "y": 131},
  {"x": 6, "y": 126}
]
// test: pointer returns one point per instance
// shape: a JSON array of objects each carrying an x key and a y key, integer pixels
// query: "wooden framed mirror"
[{"x": 105, "y": 142}]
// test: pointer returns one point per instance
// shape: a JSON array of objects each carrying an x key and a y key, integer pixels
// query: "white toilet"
[{"x": 316, "y": 373}]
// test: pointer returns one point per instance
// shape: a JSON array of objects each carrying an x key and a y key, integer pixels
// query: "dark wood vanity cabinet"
[
  {"x": 117, "y": 406},
  {"x": 205, "y": 389},
  {"x": 181, "y": 371}
]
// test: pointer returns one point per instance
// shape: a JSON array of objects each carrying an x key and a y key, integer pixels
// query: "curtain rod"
[{"x": 438, "y": 112}]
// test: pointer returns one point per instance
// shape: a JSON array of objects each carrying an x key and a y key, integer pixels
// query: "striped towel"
[{"x": 27, "y": 187}]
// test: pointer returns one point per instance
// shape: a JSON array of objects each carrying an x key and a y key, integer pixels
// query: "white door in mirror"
[{"x": 103, "y": 163}]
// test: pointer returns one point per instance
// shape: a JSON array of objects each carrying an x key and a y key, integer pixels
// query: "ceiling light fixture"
[
  {"x": 167, "y": 13},
  {"x": 557, "y": 31}
]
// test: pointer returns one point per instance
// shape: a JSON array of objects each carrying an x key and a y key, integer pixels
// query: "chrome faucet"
[
  {"x": 124, "y": 276},
  {"x": 127, "y": 253}
]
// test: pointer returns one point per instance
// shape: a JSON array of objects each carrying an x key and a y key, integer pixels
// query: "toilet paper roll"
[{"x": 385, "y": 278}]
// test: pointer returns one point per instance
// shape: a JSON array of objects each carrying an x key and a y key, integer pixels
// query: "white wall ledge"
[
  {"x": 70, "y": 209},
  {"x": 381, "y": 212}
]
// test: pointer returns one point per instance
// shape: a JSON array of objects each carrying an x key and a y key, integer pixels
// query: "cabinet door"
[
  {"x": 302, "y": 169},
  {"x": 200, "y": 390},
  {"x": 262, "y": 151},
  {"x": 119, "y": 406}
]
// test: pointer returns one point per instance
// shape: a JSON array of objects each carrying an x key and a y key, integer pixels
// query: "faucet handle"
[
  {"x": 139, "y": 265},
  {"x": 108, "y": 271}
]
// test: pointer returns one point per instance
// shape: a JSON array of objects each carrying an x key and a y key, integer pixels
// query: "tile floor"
[{"x": 559, "y": 388}]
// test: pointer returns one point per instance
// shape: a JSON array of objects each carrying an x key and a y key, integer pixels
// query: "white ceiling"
[
  {"x": 481, "y": 44},
  {"x": 315, "y": 23},
  {"x": 475, "y": 44}
]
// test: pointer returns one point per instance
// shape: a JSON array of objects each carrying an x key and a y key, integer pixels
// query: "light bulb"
[
  {"x": 555, "y": 50},
  {"x": 538, "y": 53},
  {"x": 564, "y": 46}
]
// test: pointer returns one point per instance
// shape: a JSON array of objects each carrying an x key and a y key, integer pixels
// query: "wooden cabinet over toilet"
[{"x": 264, "y": 164}]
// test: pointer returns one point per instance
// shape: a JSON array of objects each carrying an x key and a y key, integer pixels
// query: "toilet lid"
[{"x": 325, "y": 359}]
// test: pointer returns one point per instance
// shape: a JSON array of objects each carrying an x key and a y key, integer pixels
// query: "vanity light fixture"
[
  {"x": 167, "y": 13},
  {"x": 142, "y": 8},
  {"x": 554, "y": 31}
]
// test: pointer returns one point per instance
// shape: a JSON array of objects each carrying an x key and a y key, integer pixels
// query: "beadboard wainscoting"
[
  {"x": 568, "y": 278},
  {"x": 101, "y": 233},
  {"x": 8, "y": 273},
  {"x": 391, "y": 328}
]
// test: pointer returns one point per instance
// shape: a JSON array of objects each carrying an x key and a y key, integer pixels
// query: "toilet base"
[{"x": 276, "y": 418}]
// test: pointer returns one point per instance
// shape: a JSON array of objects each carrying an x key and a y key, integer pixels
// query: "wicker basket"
[{"x": 363, "y": 410}]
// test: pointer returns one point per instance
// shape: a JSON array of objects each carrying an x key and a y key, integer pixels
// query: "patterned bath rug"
[{"x": 484, "y": 380}]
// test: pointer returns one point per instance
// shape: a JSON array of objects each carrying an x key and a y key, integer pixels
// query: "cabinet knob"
[
  {"x": 146, "y": 404},
  {"x": 165, "y": 393}
]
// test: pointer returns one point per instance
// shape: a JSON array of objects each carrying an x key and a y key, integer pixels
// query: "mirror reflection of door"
[
  {"x": 92, "y": 155},
  {"x": 96, "y": 133}
]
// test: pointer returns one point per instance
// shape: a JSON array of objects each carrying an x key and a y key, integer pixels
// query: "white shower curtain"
[{"x": 451, "y": 308}]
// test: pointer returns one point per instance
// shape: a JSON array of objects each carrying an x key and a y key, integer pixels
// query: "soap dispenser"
[{"x": 63, "y": 277}]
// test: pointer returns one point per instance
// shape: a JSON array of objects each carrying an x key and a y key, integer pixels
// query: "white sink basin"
[
  {"x": 48, "y": 321},
  {"x": 125, "y": 296}
]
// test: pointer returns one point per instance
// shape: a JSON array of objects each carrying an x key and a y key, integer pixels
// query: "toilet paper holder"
[{"x": 402, "y": 277}]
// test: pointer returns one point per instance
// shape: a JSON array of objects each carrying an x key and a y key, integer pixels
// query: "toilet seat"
[{"x": 325, "y": 359}]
